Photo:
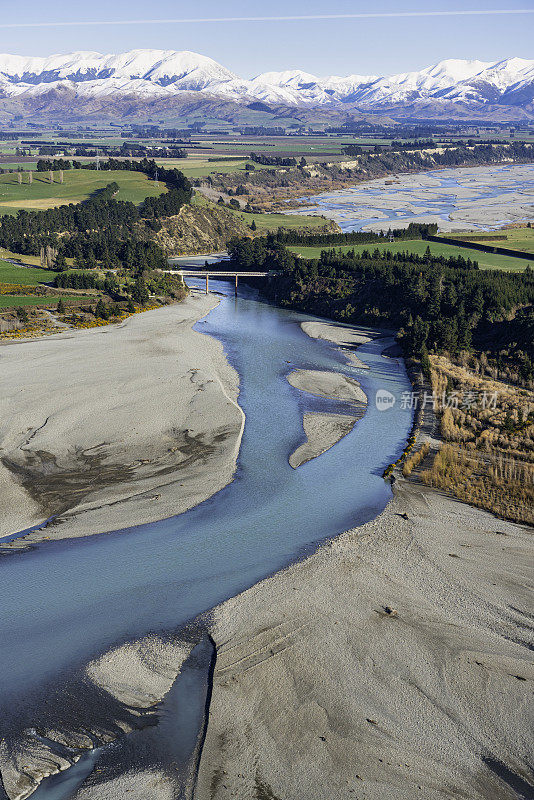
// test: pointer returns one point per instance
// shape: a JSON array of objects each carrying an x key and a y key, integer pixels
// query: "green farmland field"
[
  {"x": 14, "y": 300},
  {"x": 78, "y": 185},
  {"x": 271, "y": 222},
  {"x": 516, "y": 238},
  {"x": 485, "y": 260},
  {"x": 25, "y": 276},
  {"x": 200, "y": 167}
]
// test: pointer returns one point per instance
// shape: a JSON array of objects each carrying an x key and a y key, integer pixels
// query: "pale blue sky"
[{"x": 326, "y": 46}]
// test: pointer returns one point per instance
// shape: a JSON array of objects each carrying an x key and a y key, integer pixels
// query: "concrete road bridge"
[{"x": 216, "y": 273}]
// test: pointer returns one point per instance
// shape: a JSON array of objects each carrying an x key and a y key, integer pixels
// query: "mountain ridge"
[{"x": 477, "y": 87}]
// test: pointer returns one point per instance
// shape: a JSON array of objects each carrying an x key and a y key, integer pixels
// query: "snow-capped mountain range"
[{"x": 160, "y": 74}]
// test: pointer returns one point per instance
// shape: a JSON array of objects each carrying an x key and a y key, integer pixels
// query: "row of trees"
[
  {"x": 415, "y": 230},
  {"x": 277, "y": 161},
  {"x": 79, "y": 280},
  {"x": 55, "y": 164},
  {"x": 111, "y": 249},
  {"x": 351, "y": 259},
  {"x": 131, "y": 149}
]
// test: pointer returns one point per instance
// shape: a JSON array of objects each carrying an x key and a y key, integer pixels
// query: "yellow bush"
[
  {"x": 19, "y": 288},
  {"x": 414, "y": 460}
]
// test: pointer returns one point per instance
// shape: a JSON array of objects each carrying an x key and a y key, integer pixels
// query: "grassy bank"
[
  {"x": 271, "y": 222},
  {"x": 267, "y": 222}
]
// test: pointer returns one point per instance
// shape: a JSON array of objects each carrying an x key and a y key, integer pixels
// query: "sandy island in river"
[
  {"x": 145, "y": 424},
  {"x": 323, "y": 430},
  {"x": 332, "y": 385}
]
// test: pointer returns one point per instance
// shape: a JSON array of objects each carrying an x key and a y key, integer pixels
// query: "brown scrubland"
[{"x": 488, "y": 454}]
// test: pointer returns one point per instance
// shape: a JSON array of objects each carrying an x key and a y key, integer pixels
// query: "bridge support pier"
[
  {"x": 207, "y": 284},
  {"x": 236, "y": 279}
]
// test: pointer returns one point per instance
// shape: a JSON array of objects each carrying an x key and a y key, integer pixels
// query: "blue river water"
[{"x": 66, "y": 602}]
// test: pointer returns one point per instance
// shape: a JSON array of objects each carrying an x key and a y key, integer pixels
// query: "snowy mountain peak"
[
  {"x": 290, "y": 77},
  {"x": 455, "y": 70}
]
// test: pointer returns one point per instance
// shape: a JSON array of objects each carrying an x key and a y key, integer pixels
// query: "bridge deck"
[{"x": 197, "y": 273}]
